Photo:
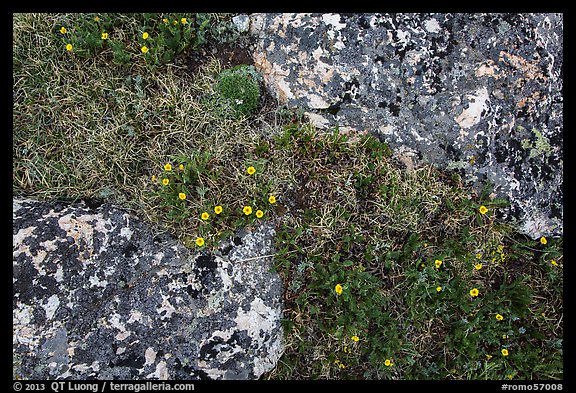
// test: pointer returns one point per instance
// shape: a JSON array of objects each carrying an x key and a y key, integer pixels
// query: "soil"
[{"x": 229, "y": 54}]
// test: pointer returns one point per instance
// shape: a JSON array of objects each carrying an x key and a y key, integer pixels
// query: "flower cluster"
[{"x": 175, "y": 189}]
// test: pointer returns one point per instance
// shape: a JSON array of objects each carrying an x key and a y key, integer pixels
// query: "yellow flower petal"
[{"x": 338, "y": 289}]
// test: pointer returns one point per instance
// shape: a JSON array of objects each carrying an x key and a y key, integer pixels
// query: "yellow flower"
[
  {"x": 438, "y": 289},
  {"x": 218, "y": 209},
  {"x": 69, "y": 47},
  {"x": 144, "y": 49},
  {"x": 499, "y": 317},
  {"x": 478, "y": 256},
  {"x": 478, "y": 266},
  {"x": 509, "y": 376},
  {"x": 553, "y": 262},
  {"x": 259, "y": 213},
  {"x": 355, "y": 338},
  {"x": 184, "y": 21},
  {"x": 483, "y": 209},
  {"x": 504, "y": 352},
  {"x": 181, "y": 167},
  {"x": 474, "y": 292},
  {"x": 437, "y": 263},
  {"x": 543, "y": 240},
  {"x": 165, "y": 20},
  {"x": 388, "y": 363},
  {"x": 272, "y": 199},
  {"x": 145, "y": 35},
  {"x": 182, "y": 196},
  {"x": 247, "y": 210},
  {"x": 488, "y": 356},
  {"x": 338, "y": 289},
  {"x": 63, "y": 30},
  {"x": 175, "y": 22},
  {"x": 205, "y": 216},
  {"x": 97, "y": 19},
  {"x": 165, "y": 181},
  {"x": 104, "y": 36},
  {"x": 153, "y": 178},
  {"x": 167, "y": 167},
  {"x": 504, "y": 336},
  {"x": 199, "y": 242},
  {"x": 251, "y": 170}
]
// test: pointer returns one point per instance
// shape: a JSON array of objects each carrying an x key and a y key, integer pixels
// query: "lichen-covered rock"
[
  {"x": 98, "y": 295},
  {"x": 480, "y": 94}
]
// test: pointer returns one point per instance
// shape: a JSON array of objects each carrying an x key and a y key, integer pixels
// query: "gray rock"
[
  {"x": 480, "y": 94},
  {"x": 242, "y": 23},
  {"x": 98, "y": 295}
]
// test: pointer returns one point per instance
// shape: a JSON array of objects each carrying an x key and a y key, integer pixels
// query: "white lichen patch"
[
  {"x": 150, "y": 356},
  {"x": 472, "y": 115},
  {"x": 432, "y": 26},
  {"x": 51, "y": 306},
  {"x": 161, "y": 372},
  {"x": 259, "y": 317}
]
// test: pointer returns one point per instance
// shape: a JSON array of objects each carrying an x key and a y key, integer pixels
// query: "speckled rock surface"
[
  {"x": 481, "y": 94},
  {"x": 97, "y": 295}
]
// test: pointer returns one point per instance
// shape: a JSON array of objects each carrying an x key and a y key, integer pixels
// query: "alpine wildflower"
[
  {"x": 474, "y": 292},
  {"x": 543, "y": 240},
  {"x": 478, "y": 266},
  {"x": 251, "y": 170},
  {"x": 199, "y": 242},
  {"x": 247, "y": 210},
  {"x": 205, "y": 216},
  {"x": 438, "y": 288},
  {"x": 69, "y": 47},
  {"x": 181, "y": 167},
  {"x": 553, "y": 262},
  {"x": 184, "y": 21},
  {"x": 355, "y": 338},
  {"x": 165, "y": 20},
  {"x": 338, "y": 289},
  {"x": 182, "y": 196},
  {"x": 104, "y": 36},
  {"x": 63, "y": 30},
  {"x": 504, "y": 352},
  {"x": 437, "y": 263},
  {"x": 144, "y": 49},
  {"x": 499, "y": 317},
  {"x": 145, "y": 35},
  {"x": 218, "y": 209},
  {"x": 388, "y": 363},
  {"x": 259, "y": 213},
  {"x": 97, "y": 19},
  {"x": 167, "y": 167},
  {"x": 483, "y": 209},
  {"x": 165, "y": 181},
  {"x": 153, "y": 178},
  {"x": 272, "y": 199}
]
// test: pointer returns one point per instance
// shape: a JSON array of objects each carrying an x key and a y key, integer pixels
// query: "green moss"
[{"x": 240, "y": 89}]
